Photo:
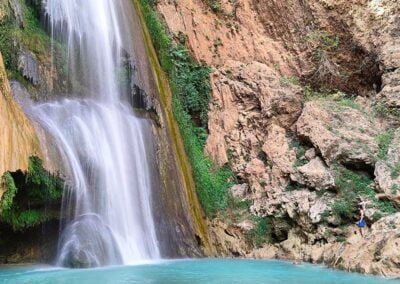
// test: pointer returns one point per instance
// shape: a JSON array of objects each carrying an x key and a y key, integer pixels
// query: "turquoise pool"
[{"x": 191, "y": 271}]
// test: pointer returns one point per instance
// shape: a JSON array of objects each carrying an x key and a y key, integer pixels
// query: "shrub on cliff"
[
  {"x": 191, "y": 95},
  {"x": 352, "y": 188},
  {"x": 28, "y": 195}
]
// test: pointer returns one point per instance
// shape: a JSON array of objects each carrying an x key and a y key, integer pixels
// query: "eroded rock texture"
[
  {"x": 18, "y": 139},
  {"x": 305, "y": 105}
]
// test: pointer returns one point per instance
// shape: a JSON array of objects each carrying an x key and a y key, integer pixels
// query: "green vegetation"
[
  {"x": 395, "y": 171},
  {"x": 377, "y": 215},
  {"x": 261, "y": 231},
  {"x": 352, "y": 187},
  {"x": 384, "y": 141},
  {"x": 8, "y": 197},
  {"x": 386, "y": 112},
  {"x": 324, "y": 41},
  {"x": 300, "y": 151},
  {"x": 293, "y": 187},
  {"x": 300, "y": 158},
  {"x": 339, "y": 98},
  {"x": 189, "y": 83},
  {"x": 30, "y": 37},
  {"x": 46, "y": 186},
  {"x": 394, "y": 189},
  {"x": 344, "y": 209},
  {"x": 287, "y": 81},
  {"x": 28, "y": 194},
  {"x": 214, "y": 5},
  {"x": 7, "y": 47}
]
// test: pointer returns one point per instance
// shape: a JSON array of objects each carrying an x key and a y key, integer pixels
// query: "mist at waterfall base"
[
  {"x": 193, "y": 272},
  {"x": 102, "y": 144}
]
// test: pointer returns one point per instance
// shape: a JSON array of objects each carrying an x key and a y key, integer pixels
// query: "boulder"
[
  {"x": 314, "y": 174},
  {"x": 339, "y": 132},
  {"x": 239, "y": 190},
  {"x": 276, "y": 147},
  {"x": 317, "y": 209},
  {"x": 310, "y": 154},
  {"x": 390, "y": 94},
  {"x": 29, "y": 66}
]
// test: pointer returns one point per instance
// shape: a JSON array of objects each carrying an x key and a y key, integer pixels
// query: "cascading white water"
[{"x": 107, "y": 206}]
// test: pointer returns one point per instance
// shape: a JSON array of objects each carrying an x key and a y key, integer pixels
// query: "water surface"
[{"x": 193, "y": 272}]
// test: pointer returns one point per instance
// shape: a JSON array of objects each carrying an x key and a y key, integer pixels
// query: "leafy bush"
[
  {"x": 211, "y": 182},
  {"x": 189, "y": 83},
  {"x": 215, "y": 5},
  {"x": 261, "y": 232},
  {"x": 43, "y": 185},
  {"x": 7, "y": 48},
  {"x": 376, "y": 216},
  {"x": 32, "y": 37},
  {"x": 384, "y": 141},
  {"x": 344, "y": 209},
  {"x": 386, "y": 112},
  {"x": 287, "y": 81},
  {"x": 300, "y": 159},
  {"x": 324, "y": 41},
  {"x": 9, "y": 194},
  {"x": 27, "y": 195},
  {"x": 352, "y": 187},
  {"x": 21, "y": 220},
  {"x": 395, "y": 171}
]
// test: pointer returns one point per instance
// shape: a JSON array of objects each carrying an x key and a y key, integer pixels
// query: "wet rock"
[
  {"x": 20, "y": 94},
  {"x": 139, "y": 99},
  {"x": 17, "y": 12},
  {"x": 29, "y": 66}
]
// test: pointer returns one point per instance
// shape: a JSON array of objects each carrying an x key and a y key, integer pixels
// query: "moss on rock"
[{"x": 31, "y": 197}]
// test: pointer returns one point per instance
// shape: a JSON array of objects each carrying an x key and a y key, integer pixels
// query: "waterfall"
[{"x": 102, "y": 144}]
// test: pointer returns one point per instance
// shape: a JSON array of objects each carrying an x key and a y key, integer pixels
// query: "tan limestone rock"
[
  {"x": 277, "y": 149},
  {"x": 339, "y": 132},
  {"x": 240, "y": 190},
  {"x": 315, "y": 174},
  {"x": 18, "y": 140}
]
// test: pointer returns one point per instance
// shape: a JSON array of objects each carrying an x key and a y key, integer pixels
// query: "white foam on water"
[{"x": 102, "y": 144}]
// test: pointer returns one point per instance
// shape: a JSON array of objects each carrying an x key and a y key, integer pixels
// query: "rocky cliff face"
[
  {"x": 18, "y": 139},
  {"x": 29, "y": 195},
  {"x": 305, "y": 110}
]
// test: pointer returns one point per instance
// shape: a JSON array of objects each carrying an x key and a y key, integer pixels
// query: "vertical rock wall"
[{"x": 18, "y": 139}]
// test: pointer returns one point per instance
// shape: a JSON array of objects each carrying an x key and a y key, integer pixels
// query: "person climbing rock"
[{"x": 361, "y": 223}]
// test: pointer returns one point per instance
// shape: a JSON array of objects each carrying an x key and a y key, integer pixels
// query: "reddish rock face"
[{"x": 274, "y": 126}]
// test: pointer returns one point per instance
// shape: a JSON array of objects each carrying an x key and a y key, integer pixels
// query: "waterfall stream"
[{"x": 101, "y": 142}]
